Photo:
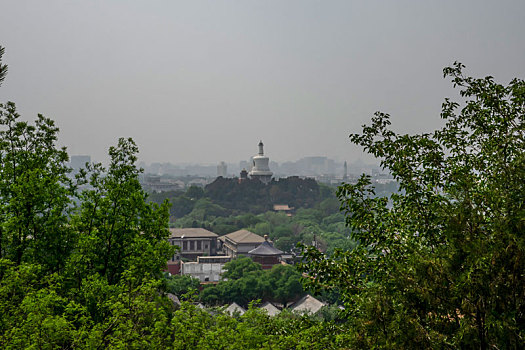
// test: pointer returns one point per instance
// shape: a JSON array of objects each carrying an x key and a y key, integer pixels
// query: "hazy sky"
[{"x": 204, "y": 81}]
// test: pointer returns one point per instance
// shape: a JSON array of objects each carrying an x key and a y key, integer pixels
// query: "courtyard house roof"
[
  {"x": 243, "y": 236},
  {"x": 270, "y": 308},
  {"x": 307, "y": 304},
  {"x": 235, "y": 308},
  {"x": 191, "y": 233}
]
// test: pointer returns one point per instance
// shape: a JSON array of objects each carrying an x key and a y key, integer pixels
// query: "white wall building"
[{"x": 205, "y": 272}]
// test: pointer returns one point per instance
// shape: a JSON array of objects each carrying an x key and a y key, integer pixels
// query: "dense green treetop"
[
  {"x": 237, "y": 268},
  {"x": 244, "y": 281},
  {"x": 35, "y": 192},
  {"x": 443, "y": 266},
  {"x": 181, "y": 284}
]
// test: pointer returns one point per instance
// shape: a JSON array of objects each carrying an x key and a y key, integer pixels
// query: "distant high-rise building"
[
  {"x": 345, "y": 175},
  {"x": 222, "y": 169},
  {"x": 260, "y": 169}
]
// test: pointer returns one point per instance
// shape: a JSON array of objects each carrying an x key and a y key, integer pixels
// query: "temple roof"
[{"x": 265, "y": 249}]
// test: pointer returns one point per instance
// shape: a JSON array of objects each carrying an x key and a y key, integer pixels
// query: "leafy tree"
[
  {"x": 276, "y": 219},
  {"x": 181, "y": 206},
  {"x": 262, "y": 228},
  {"x": 251, "y": 286},
  {"x": 245, "y": 281},
  {"x": 329, "y": 206},
  {"x": 282, "y": 231},
  {"x": 205, "y": 209},
  {"x": 443, "y": 265},
  {"x": 238, "y": 267},
  {"x": 286, "y": 283},
  {"x": 35, "y": 192},
  {"x": 181, "y": 284},
  {"x": 285, "y": 244},
  {"x": 118, "y": 229}
]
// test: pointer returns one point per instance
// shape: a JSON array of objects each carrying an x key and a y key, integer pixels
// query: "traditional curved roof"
[
  {"x": 265, "y": 249},
  {"x": 243, "y": 236}
]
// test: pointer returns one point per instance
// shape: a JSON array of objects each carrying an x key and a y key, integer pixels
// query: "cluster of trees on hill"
[
  {"x": 251, "y": 195},
  {"x": 228, "y": 196},
  {"x": 319, "y": 219},
  {"x": 324, "y": 224}
]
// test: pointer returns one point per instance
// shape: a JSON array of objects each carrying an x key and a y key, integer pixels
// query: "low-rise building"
[
  {"x": 193, "y": 242},
  {"x": 215, "y": 259},
  {"x": 205, "y": 272},
  {"x": 283, "y": 208},
  {"x": 239, "y": 243},
  {"x": 235, "y": 309},
  {"x": 266, "y": 254}
]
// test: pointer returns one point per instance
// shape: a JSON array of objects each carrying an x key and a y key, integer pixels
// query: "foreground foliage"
[{"x": 442, "y": 263}]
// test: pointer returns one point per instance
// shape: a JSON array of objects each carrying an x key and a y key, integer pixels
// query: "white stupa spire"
[{"x": 261, "y": 169}]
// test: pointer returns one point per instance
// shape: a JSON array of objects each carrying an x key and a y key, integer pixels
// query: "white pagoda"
[{"x": 260, "y": 169}]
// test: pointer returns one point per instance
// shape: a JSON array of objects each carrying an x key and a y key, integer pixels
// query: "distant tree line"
[{"x": 249, "y": 196}]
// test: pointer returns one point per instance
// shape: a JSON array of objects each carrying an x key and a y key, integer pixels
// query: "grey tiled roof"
[
  {"x": 191, "y": 232},
  {"x": 266, "y": 249},
  {"x": 270, "y": 308},
  {"x": 243, "y": 236},
  {"x": 235, "y": 308},
  {"x": 307, "y": 304}
]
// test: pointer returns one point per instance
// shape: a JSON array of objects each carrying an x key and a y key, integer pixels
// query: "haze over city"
[{"x": 204, "y": 81}]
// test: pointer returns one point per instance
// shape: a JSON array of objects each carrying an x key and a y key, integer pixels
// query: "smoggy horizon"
[{"x": 204, "y": 81}]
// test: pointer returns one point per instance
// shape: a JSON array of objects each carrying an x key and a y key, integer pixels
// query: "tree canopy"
[
  {"x": 245, "y": 281},
  {"x": 441, "y": 262}
]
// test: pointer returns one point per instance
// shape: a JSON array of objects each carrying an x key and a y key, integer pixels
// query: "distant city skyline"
[{"x": 306, "y": 166}]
